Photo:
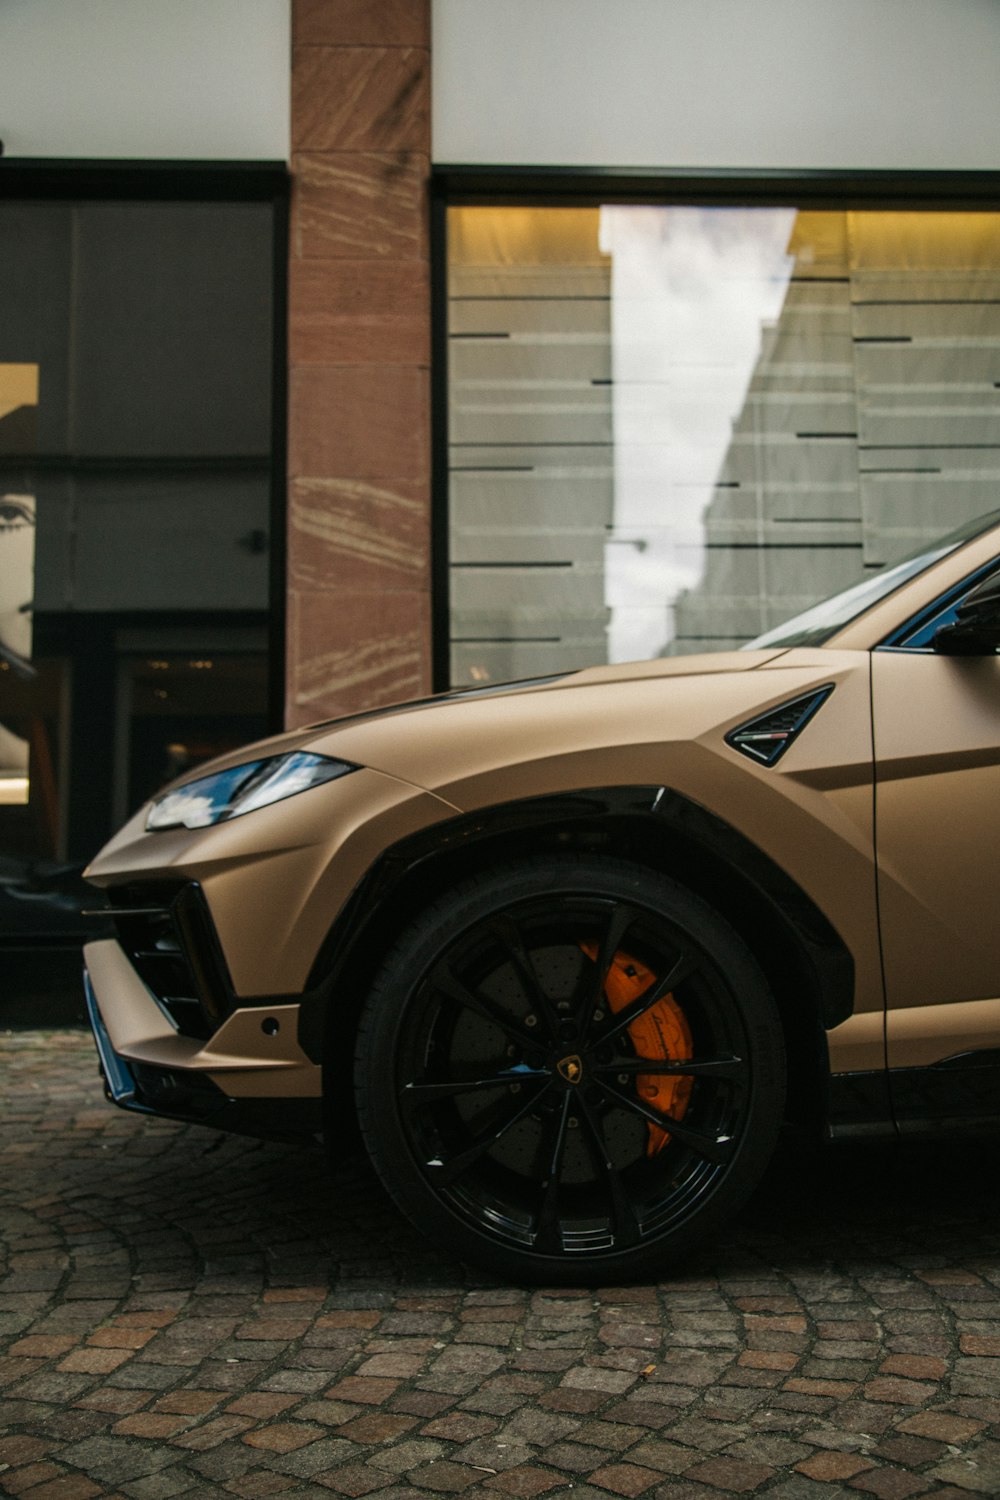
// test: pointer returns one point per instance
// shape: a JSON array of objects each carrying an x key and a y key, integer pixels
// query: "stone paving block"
[
  {"x": 497, "y": 1403},
  {"x": 369, "y": 1391},
  {"x": 864, "y": 1417},
  {"x": 575, "y": 1458},
  {"x": 73, "y": 1424},
  {"x": 613, "y": 1382},
  {"x": 615, "y": 1436},
  {"x": 297, "y": 1379},
  {"x": 148, "y": 1424},
  {"x": 978, "y": 1470},
  {"x": 193, "y": 1402},
  {"x": 492, "y": 1454},
  {"x": 265, "y": 1348},
  {"x": 350, "y": 1479},
  {"x": 525, "y": 1481},
  {"x": 400, "y": 1458},
  {"x": 66, "y": 1487},
  {"x": 545, "y": 1359},
  {"x": 283, "y": 1437},
  {"x": 942, "y": 1425},
  {"x": 20, "y": 1448},
  {"x": 889, "y": 1484},
  {"x": 393, "y": 1365},
  {"x": 830, "y": 1463},
  {"x": 639, "y": 1413},
  {"x": 625, "y": 1479},
  {"x": 732, "y": 1474},
  {"x": 444, "y": 1477},
  {"x": 260, "y": 1404},
  {"x": 665, "y": 1456},
  {"x": 422, "y": 1403},
  {"x": 376, "y": 1427},
  {"x": 226, "y": 1461},
  {"x": 211, "y": 1433},
  {"x": 27, "y": 1476},
  {"x": 899, "y": 1391},
  {"x": 809, "y": 1386},
  {"x": 94, "y": 1361},
  {"x": 798, "y": 1487},
  {"x": 316, "y": 1458},
  {"x": 43, "y": 1345},
  {"x": 913, "y": 1452},
  {"x": 114, "y": 1460},
  {"x": 772, "y": 1449},
  {"x": 459, "y": 1427},
  {"x": 162, "y": 1486},
  {"x": 532, "y": 1425}
]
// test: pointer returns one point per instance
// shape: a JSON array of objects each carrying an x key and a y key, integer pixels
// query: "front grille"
[{"x": 168, "y": 935}]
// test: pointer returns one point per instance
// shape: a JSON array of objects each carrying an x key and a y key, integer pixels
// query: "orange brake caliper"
[{"x": 661, "y": 1034}]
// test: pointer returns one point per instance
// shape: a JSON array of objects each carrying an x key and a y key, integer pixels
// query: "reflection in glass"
[
  {"x": 176, "y": 710},
  {"x": 673, "y": 428},
  {"x": 17, "y": 567},
  {"x": 692, "y": 290},
  {"x": 135, "y": 486}
]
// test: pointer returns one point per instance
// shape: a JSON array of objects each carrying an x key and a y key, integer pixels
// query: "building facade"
[{"x": 350, "y": 349}]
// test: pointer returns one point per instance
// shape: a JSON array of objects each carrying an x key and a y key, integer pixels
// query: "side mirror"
[{"x": 976, "y": 628}]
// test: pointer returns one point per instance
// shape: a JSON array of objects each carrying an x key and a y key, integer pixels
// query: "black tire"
[{"x": 498, "y": 1086}]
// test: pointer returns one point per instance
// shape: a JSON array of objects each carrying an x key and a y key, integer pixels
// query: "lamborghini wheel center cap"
[{"x": 570, "y": 1068}]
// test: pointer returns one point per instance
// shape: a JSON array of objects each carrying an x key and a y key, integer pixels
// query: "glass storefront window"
[
  {"x": 136, "y": 482},
  {"x": 672, "y": 428}
]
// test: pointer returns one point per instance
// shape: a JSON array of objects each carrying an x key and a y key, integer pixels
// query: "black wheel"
[{"x": 570, "y": 1071}]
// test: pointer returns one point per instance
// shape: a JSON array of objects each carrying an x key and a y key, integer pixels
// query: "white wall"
[
  {"x": 194, "y": 79},
  {"x": 904, "y": 84}
]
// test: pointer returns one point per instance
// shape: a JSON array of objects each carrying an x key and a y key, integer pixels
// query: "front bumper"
[{"x": 250, "y": 1076}]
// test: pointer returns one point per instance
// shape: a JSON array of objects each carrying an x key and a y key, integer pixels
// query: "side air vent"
[{"x": 766, "y": 738}]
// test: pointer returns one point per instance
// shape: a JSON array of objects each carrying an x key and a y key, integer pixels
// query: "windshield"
[{"x": 815, "y": 626}]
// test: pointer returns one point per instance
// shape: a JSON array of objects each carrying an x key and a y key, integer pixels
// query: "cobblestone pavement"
[{"x": 189, "y": 1314}]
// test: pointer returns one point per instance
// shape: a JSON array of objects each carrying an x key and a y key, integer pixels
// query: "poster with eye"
[{"x": 18, "y": 404}]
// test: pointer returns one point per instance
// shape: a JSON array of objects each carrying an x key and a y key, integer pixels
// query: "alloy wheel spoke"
[
  {"x": 684, "y": 967},
  {"x": 448, "y": 983},
  {"x": 416, "y": 1094},
  {"x": 592, "y": 981},
  {"x": 624, "y": 1221},
  {"x": 505, "y": 930},
  {"x": 548, "y": 1235},
  {"x": 717, "y": 1149},
  {"x": 445, "y": 1170}
]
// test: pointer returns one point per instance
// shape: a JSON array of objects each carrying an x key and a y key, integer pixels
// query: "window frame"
[{"x": 497, "y": 186}]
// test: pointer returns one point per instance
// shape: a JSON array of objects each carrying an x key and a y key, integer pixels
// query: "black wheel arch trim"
[{"x": 651, "y": 816}]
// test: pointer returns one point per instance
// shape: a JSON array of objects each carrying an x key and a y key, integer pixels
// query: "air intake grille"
[
  {"x": 168, "y": 935},
  {"x": 765, "y": 739}
]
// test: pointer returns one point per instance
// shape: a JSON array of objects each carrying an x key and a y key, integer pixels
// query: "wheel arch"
[{"x": 807, "y": 965}]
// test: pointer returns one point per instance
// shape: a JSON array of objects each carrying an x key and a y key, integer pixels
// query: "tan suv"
[{"x": 572, "y": 949}]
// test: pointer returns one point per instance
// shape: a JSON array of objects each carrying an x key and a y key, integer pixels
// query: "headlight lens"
[{"x": 230, "y": 794}]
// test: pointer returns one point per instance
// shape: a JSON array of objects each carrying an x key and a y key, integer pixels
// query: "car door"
[{"x": 936, "y": 722}]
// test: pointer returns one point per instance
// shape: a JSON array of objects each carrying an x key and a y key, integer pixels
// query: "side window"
[
  {"x": 918, "y": 633},
  {"x": 918, "y": 636}
]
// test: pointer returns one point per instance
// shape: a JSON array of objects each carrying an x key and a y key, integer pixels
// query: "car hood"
[{"x": 435, "y": 743}]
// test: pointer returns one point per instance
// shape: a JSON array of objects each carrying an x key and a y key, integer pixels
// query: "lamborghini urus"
[{"x": 571, "y": 950}]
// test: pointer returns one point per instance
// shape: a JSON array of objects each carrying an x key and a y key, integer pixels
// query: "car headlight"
[{"x": 230, "y": 794}]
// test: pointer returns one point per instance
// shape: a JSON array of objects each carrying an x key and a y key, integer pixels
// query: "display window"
[
  {"x": 673, "y": 426},
  {"x": 141, "y": 472}
]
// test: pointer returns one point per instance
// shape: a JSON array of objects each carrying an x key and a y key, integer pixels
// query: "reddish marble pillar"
[{"x": 359, "y": 356}]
